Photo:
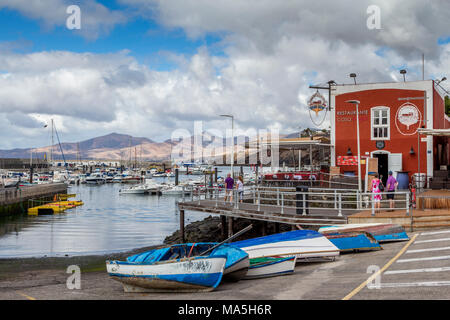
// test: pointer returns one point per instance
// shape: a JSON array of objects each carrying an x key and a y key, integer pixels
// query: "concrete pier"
[{"x": 15, "y": 200}]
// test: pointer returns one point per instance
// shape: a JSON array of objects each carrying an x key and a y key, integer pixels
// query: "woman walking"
[{"x": 376, "y": 193}]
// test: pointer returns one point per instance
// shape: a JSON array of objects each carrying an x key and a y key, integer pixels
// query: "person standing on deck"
[
  {"x": 391, "y": 186},
  {"x": 240, "y": 188},
  {"x": 376, "y": 192},
  {"x": 229, "y": 184}
]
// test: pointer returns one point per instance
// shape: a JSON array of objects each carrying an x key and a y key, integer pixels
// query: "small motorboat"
[
  {"x": 353, "y": 241},
  {"x": 139, "y": 189},
  {"x": 180, "y": 268},
  {"x": 382, "y": 232},
  {"x": 95, "y": 178},
  {"x": 270, "y": 267},
  {"x": 301, "y": 243},
  {"x": 176, "y": 190}
]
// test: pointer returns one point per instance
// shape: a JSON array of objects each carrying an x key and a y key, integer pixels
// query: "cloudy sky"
[{"x": 149, "y": 67}]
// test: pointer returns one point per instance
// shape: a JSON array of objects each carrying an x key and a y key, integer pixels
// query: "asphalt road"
[{"x": 418, "y": 269}]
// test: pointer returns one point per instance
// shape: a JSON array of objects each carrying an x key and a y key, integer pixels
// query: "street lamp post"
[
  {"x": 232, "y": 137},
  {"x": 356, "y": 102}
]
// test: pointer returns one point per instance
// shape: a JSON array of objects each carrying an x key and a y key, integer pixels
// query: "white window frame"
[{"x": 388, "y": 125}]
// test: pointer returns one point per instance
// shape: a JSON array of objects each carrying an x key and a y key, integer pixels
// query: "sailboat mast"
[{"x": 51, "y": 146}]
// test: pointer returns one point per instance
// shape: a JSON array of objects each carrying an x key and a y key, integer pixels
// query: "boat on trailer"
[
  {"x": 143, "y": 273},
  {"x": 382, "y": 232},
  {"x": 303, "y": 244},
  {"x": 353, "y": 241},
  {"x": 270, "y": 267}
]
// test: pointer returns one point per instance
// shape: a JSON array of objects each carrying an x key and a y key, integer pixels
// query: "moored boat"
[{"x": 382, "y": 232}]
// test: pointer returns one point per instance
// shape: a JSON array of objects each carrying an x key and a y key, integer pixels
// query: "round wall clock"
[{"x": 380, "y": 144}]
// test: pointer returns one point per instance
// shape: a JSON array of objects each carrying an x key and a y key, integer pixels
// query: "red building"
[{"x": 389, "y": 117}]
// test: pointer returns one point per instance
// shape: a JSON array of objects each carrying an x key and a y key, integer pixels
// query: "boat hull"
[
  {"x": 301, "y": 243},
  {"x": 353, "y": 241},
  {"x": 188, "y": 275},
  {"x": 270, "y": 267},
  {"x": 382, "y": 232},
  {"x": 237, "y": 260}
]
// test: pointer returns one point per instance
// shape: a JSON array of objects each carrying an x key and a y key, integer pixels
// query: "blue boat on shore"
[
  {"x": 237, "y": 260},
  {"x": 180, "y": 268},
  {"x": 353, "y": 241},
  {"x": 382, "y": 232}
]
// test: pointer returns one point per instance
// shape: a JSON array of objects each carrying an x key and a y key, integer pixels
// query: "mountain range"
[{"x": 116, "y": 146}]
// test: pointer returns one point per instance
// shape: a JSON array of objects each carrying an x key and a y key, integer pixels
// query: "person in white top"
[{"x": 240, "y": 188}]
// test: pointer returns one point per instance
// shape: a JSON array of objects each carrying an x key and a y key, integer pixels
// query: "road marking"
[
  {"x": 424, "y": 259},
  {"x": 416, "y": 284},
  {"x": 376, "y": 274},
  {"x": 426, "y": 250},
  {"x": 434, "y": 232},
  {"x": 26, "y": 296},
  {"x": 433, "y": 240},
  {"x": 418, "y": 270}
]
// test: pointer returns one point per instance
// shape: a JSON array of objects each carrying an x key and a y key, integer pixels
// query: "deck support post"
[
  {"x": 182, "y": 226},
  {"x": 264, "y": 228},
  {"x": 230, "y": 226},
  {"x": 223, "y": 226}
]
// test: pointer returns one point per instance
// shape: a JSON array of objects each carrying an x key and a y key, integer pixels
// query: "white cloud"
[
  {"x": 96, "y": 19},
  {"x": 273, "y": 51}
]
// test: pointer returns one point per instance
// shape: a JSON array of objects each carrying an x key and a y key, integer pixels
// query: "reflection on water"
[{"x": 107, "y": 222}]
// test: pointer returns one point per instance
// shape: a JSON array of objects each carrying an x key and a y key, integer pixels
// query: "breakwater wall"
[{"x": 15, "y": 200}]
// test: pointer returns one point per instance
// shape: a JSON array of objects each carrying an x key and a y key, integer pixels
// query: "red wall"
[{"x": 346, "y": 130}]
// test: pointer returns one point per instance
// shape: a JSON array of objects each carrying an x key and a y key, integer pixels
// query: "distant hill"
[
  {"x": 112, "y": 146},
  {"x": 115, "y": 146}
]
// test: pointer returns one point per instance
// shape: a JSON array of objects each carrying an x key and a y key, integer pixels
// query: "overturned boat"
[
  {"x": 382, "y": 232},
  {"x": 353, "y": 241}
]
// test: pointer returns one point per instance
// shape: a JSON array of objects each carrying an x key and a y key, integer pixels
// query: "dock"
[
  {"x": 317, "y": 207},
  {"x": 267, "y": 204},
  {"x": 15, "y": 200}
]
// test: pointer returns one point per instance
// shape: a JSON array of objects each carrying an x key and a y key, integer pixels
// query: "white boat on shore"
[
  {"x": 270, "y": 267},
  {"x": 303, "y": 244}
]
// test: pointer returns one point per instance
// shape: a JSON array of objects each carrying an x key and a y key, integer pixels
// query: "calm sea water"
[{"x": 107, "y": 222}]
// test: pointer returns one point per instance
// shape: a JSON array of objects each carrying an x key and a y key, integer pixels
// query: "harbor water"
[{"x": 107, "y": 222}]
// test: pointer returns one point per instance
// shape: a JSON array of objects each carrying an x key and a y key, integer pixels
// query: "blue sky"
[{"x": 145, "y": 39}]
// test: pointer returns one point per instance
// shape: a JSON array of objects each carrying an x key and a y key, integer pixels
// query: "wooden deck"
[
  {"x": 434, "y": 199},
  {"x": 269, "y": 213},
  {"x": 415, "y": 219}
]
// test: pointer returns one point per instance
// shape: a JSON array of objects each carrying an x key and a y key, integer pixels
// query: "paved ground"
[{"x": 419, "y": 269}]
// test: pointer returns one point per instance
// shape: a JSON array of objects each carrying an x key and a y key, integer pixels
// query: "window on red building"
[{"x": 380, "y": 123}]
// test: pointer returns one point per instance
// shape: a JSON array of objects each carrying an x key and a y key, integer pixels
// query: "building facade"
[{"x": 389, "y": 116}]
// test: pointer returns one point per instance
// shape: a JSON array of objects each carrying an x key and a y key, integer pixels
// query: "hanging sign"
[
  {"x": 317, "y": 103},
  {"x": 408, "y": 119}
]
